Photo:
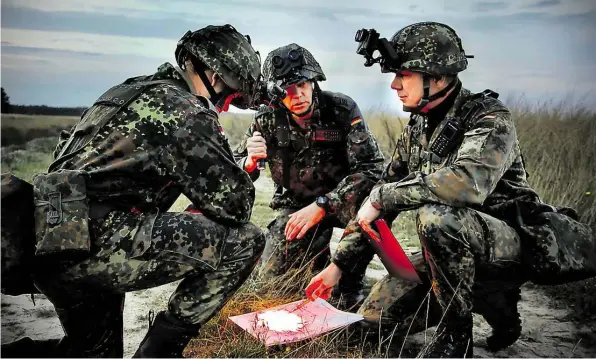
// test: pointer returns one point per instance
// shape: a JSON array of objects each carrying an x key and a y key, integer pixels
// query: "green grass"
[
  {"x": 19, "y": 129},
  {"x": 28, "y": 122},
  {"x": 559, "y": 149}
]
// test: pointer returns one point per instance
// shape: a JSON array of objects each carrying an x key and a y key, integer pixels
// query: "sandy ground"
[{"x": 546, "y": 331}]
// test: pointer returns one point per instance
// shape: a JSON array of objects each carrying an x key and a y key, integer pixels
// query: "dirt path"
[{"x": 546, "y": 331}]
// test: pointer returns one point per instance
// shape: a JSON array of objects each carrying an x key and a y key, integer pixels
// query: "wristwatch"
[{"x": 323, "y": 202}]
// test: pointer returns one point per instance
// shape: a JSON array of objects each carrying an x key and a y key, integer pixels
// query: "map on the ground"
[{"x": 294, "y": 321}]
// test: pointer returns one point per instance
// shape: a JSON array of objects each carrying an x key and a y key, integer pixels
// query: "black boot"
[
  {"x": 501, "y": 313},
  {"x": 167, "y": 337},
  {"x": 29, "y": 348},
  {"x": 453, "y": 339}
]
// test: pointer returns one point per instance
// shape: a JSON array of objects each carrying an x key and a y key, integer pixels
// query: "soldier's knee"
[
  {"x": 256, "y": 235},
  {"x": 433, "y": 221}
]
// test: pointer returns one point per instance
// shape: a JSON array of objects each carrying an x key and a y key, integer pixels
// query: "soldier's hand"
[
  {"x": 257, "y": 149},
  {"x": 367, "y": 214},
  {"x": 303, "y": 220},
  {"x": 322, "y": 284}
]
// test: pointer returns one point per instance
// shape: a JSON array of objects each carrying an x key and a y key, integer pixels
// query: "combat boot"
[
  {"x": 501, "y": 313},
  {"x": 166, "y": 338},
  {"x": 29, "y": 348},
  {"x": 453, "y": 339}
]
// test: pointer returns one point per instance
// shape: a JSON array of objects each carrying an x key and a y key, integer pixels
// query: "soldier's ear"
[
  {"x": 441, "y": 81},
  {"x": 214, "y": 79}
]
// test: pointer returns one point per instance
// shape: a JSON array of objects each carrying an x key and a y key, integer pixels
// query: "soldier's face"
[
  {"x": 408, "y": 86},
  {"x": 410, "y": 89},
  {"x": 299, "y": 97}
]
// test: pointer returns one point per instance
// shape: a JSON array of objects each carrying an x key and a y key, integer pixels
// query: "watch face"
[{"x": 322, "y": 200}]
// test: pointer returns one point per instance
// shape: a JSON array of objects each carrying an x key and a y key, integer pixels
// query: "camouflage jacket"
[
  {"x": 484, "y": 172},
  {"x": 345, "y": 170},
  {"x": 166, "y": 142}
]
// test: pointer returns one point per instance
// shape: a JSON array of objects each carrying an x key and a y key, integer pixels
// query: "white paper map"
[{"x": 286, "y": 324}]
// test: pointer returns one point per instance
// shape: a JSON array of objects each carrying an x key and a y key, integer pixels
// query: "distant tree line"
[{"x": 7, "y": 107}]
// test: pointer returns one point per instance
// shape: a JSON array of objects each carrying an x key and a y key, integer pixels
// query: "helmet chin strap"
[
  {"x": 220, "y": 100},
  {"x": 426, "y": 99}
]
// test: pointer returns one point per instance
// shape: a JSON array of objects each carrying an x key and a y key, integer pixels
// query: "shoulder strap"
[
  {"x": 87, "y": 128},
  {"x": 283, "y": 141},
  {"x": 472, "y": 104}
]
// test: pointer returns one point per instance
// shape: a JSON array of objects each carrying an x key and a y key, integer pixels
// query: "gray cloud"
[
  {"x": 487, "y": 6},
  {"x": 517, "y": 49},
  {"x": 544, "y": 3}
]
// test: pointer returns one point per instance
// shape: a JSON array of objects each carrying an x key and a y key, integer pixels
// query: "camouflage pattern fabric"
[
  {"x": 63, "y": 227},
  {"x": 305, "y": 68},
  {"x": 280, "y": 255},
  {"x": 462, "y": 237},
  {"x": 345, "y": 172},
  {"x": 165, "y": 143},
  {"x": 429, "y": 47},
  {"x": 494, "y": 244},
  {"x": 485, "y": 172},
  {"x": 139, "y": 251},
  {"x": 225, "y": 51}
]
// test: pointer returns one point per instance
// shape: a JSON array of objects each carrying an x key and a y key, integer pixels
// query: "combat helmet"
[
  {"x": 229, "y": 54},
  {"x": 431, "y": 48},
  {"x": 291, "y": 64}
]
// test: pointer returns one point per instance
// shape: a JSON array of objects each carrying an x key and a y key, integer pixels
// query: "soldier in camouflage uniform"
[
  {"x": 133, "y": 153},
  {"x": 465, "y": 197},
  {"x": 323, "y": 160}
]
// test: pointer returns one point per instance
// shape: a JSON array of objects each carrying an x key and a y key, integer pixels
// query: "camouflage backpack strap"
[
  {"x": 99, "y": 114},
  {"x": 282, "y": 135},
  {"x": 472, "y": 104},
  {"x": 452, "y": 133},
  {"x": 61, "y": 201}
]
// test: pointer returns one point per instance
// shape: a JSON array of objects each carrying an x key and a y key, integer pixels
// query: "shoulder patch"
[{"x": 356, "y": 121}]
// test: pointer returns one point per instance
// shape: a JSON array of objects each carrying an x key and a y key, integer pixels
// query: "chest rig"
[
  {"x": 332, "y": 133},
  {"x": 451, "y": 131}
]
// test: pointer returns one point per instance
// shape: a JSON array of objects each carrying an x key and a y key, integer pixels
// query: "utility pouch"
[{"x": 61, "y": 214}]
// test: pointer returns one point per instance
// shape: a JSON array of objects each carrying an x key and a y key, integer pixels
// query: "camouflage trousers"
[
  {"x": 133, "y": 252},
  {"x": 469, "y": 261},
  {"x": 311, "y": 251},
  {"x": 281, "y": 255}
]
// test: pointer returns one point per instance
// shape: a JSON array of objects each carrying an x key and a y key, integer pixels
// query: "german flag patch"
[{"x": 355, "y": 121}]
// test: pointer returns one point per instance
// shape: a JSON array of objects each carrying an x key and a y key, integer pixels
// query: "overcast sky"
[{"x": 67, "y": 52}]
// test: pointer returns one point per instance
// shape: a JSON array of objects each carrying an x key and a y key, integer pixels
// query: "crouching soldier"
[
  {"x": 323, "y": 160},
  {"x": 101, "y": 220},
  {"x": 483, "y": 229}
]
